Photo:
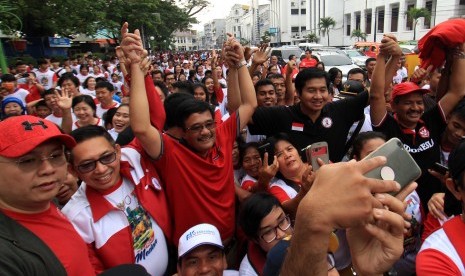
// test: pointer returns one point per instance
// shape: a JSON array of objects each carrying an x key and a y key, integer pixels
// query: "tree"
[
  {"x": 326, "y": 24},
  {"x": 192, "y": 7},
  {"x": 415, "y": 14},
  {"x": 312, "y": 37},
  {"x": 359, "y": 35}
]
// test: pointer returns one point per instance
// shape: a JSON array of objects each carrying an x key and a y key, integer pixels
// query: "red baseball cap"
[
  {"x": 406, "y": 88},
  {"x": 21, "y": 134}
]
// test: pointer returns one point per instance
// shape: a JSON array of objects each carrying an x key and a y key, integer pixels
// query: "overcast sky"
[{"x": 219, "y": 9}]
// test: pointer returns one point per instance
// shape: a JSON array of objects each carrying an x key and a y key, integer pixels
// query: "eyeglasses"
[
  {"x": 199, "y": 127},
  {"x": 89, "y": 166},
  {"x": 331, "y": 261},
  {"x": 271, "y": 234},
  {"x": 30, "y": 162}
]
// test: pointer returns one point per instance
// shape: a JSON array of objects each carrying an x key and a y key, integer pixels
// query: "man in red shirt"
[
  {"x": 197, "y": 172},
  {"x": 308, "y": 61},
  {"x": 35, "y": 238}
]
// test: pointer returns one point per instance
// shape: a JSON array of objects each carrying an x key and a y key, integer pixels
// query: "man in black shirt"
[{"x": 315, "y": 118}]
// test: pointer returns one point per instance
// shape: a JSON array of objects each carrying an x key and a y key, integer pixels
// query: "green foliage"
[
  {"x": 326, "y": 24},
  {"x": 159, "y": 18},
  {"x": 312, "y": 37},
  {"x": 359, "y": 35},
  {"x": 415, "y": 14}
]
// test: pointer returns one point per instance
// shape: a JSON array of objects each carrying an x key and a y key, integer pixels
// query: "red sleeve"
[
  {"x": 279, "y": 193},
  {"x": 219, "y": 94},
  {"x": 430, "y": 225},
  {"x": 156, "y": 108},
  {"x": 94, "y": 260},
  {"x": 247, "y": 184},
  {"x": 218, "y": 117},
  {"x": 432, "y": 262}
]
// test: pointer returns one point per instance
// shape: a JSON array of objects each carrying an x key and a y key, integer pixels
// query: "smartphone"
[
  {"x": 400, "y": 165},
  {"x": 315, "y": 151},
  {"x": 440, "y": 168}
]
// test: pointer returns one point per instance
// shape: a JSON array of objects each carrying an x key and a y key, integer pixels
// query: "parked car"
[
  {"x": 356, "y": 56},
  {"x": 284, "y": 52},
  {"x": 335, "y": 59}
]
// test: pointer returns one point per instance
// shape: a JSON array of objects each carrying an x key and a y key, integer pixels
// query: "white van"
[{"x": 305, "y": 46}]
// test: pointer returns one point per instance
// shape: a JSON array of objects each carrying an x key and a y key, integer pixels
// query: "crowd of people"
[{"x": 194, "y": 163}]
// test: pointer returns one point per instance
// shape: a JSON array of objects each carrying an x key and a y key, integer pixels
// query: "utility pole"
[{"x": 376, "y": 27}]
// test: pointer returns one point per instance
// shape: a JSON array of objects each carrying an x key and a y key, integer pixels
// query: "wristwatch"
[{"x": 241, "y": 63}]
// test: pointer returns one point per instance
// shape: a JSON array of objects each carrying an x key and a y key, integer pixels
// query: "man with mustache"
[{"x": 420, "y": 131}]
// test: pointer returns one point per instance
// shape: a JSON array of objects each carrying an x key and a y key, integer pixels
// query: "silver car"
[
  {"x": 334, "y": 59},
  {"x": 357, "y": 57}
]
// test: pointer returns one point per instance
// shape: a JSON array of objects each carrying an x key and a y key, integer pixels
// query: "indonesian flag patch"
[{"x": 297, "y": 126}]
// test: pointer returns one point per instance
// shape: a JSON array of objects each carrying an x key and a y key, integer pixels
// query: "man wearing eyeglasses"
[
  {"x": 35, "y": 238},
  {"x": 198, "y": 171},
  {"x": 120, "y": 208}
]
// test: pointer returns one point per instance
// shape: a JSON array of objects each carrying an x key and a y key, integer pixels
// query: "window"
[
  {"x": 368, "y": 22},
  {"x": 394, "y": 19},
  {"x": 303, "y": 28},
  {"x": 294, "y": 11},
  {"x": 348, "y": 26},
  {"x": 380, "y": 21},
  {"x": 462, "y": 2},
  {"x": 409, "y": 22},
  {"x": 303, "y": 11},
  {"x": 427, "y": 21},
  {"x": 357, "y": 21},
  {"x": 295, "y": 29}
]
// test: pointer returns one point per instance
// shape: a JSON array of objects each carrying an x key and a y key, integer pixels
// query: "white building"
[
  {"x": 389, "y": 17},
  {"x": 214, "y": 34},
  {"x": 294, "y": 19},
  {"x": 185, "y": 40},
  {"x": 235, "y": 20}
]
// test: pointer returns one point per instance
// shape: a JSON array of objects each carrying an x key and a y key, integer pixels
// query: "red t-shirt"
[
  {"x": 200, "y": 190},
  {"x": 34, "y": 93},
  {"x": 307, "y": 63},
  {"x": 54, "y": 229}
]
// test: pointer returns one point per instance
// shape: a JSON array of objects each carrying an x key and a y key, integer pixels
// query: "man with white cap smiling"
[{"x": 200, "y": 251}]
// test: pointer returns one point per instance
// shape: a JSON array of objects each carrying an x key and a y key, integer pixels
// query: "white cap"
[
  {"x": 201, "y": 234},
  {"x": 185, "y": 61}
]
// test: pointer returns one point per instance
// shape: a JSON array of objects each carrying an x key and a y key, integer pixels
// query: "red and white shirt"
[
  {"x": 100, "y": 110},
  {"x": 279, "y": 189},
  {"x": 46, "y": 78}
]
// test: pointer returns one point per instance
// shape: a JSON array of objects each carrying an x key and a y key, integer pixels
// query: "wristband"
[{"x": 241, "y": 63}]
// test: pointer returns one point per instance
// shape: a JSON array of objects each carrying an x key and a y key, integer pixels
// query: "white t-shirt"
[
  {"x": 76, "y": 126},
  {"x": 150, "y": 249},
  {"x": 83, "y": 78},
  {"x": 246, "y": 268},
  {"x": 45, "y": 78},
  {"x": 20, "y": 94},
  {"x": 100, "y": 110}
]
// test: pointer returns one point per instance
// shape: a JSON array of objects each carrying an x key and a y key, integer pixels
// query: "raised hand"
[
  {"x": 131, "y": 45},
  {"x": 290, "y": 67},
  {"x": 307, "y": 178},
  {"x": 436, "y": 206},
  {"x": 262, "y": 55},
  {"x": 267, "y": 172},
  {"x": 65, "y": 100}
]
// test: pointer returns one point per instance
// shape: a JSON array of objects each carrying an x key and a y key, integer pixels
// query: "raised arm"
[
  {"x": 456, "y": 85},
  {"x": 290, "y": 89},
  {"x": 64, "y": 101},
  {"x": 147, "y": 134}
]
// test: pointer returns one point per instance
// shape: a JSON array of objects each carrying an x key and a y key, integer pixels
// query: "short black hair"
[
  {"x": 459, "y": 110},
  {"x": 171, "y": 104},
  {"x": 360, "y": 141},
  {"x": 369, "y": 60},
  {"x": 8, "y": 78},
  {"x": 253, "y": 210},
  {"x": 275, "y": 76},
  {"x": 86, "y": 82},
  {"x": 354, "y": 71},
  {"x": 189, "y": 107},
  {"x": 68, "y": 76},
  {"x": 88, "y": 132},
  {"x": 308, "y": 74},
  {"x": 263, "y": 82},
  {"x": 183, "y": 86},
  {"x": 105, "y": 84},
  {"x": 86, "y": 99},
  {"x": 244, "y": 147}
]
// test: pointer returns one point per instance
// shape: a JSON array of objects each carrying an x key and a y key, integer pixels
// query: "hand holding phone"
[
  {"x": 400, "y": 165},
  {"x": 315, "y": 151}
]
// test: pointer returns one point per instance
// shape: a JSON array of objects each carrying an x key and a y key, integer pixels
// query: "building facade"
[{"x": 186, "y": 40}]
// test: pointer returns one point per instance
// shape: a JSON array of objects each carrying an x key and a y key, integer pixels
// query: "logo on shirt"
[
  {"x": 297, "y": 126},
  {"x": 423, "y": 132},
  {"x": 326, "y": 122},
  {"x": 156, "y": 183}
]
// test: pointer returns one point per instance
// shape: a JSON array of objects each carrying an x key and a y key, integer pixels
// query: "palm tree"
[
  {"x": 326, "y": 24},
  {"x": 312, "y": 37},
  {"x": 359, "y": 35},
  {"x": 415, "y": 14}
]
